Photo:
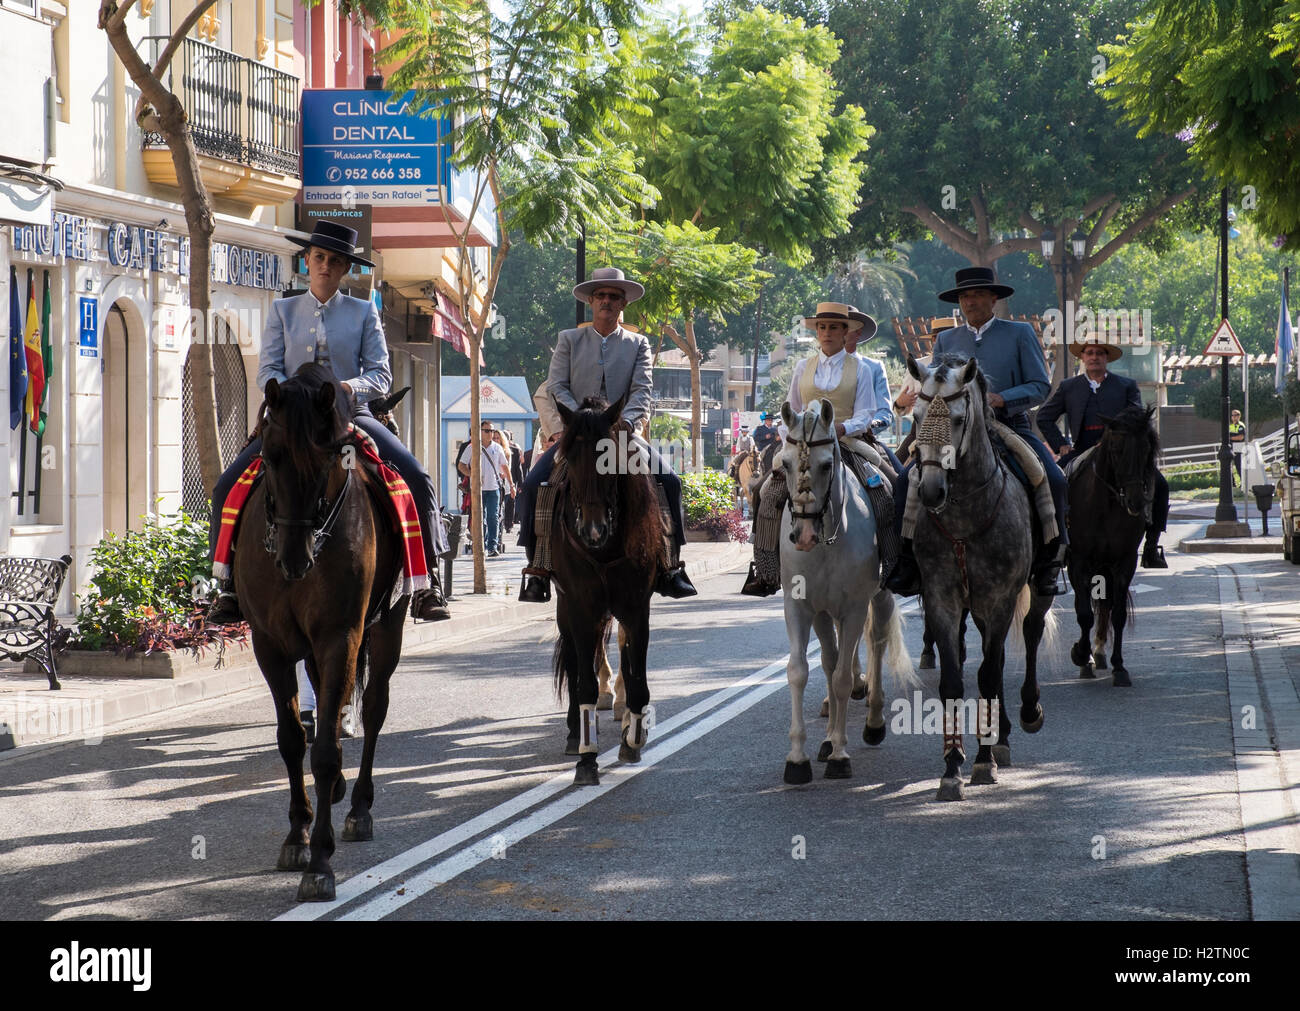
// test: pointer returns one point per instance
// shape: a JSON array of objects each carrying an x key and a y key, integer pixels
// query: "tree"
[
  {"x": 537, "y": 101},
  {"x": 685, "y": 271},
  {"x": 1223, "y": 76},
  {"x": 1265, "y": 404},
  {"x": 159, "y": 111},
  {"x": 991, "y": 131}
]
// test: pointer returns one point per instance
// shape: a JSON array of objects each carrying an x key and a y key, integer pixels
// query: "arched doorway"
[
  {"x": 232, "y": 416},
  {"x": 125, "y": 409}
]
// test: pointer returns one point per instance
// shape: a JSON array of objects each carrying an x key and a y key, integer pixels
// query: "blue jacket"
[
  {"x": 1073, "y": 398},
  {"x": 1012, "y": 363},
  {"x": 353, "y": 333}
]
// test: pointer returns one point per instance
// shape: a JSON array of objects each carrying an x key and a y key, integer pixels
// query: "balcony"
[{"x": 244, "y": 120}]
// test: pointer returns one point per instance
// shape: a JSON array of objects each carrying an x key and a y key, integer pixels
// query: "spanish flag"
[{"x": 35, "y": 360}]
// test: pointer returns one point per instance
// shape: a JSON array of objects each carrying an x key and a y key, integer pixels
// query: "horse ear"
[
  {"x": 968, "y": 373},
  {"x": 325, "y": 398},
  {"x": 828, "y": 414},
  {"x": 272, "y": 392},
  {"x": 787, "y": 415},
  {"x": 614, "y": 411},
  {"x": 396, "y": 398},
  {"x": 566, "y": 415},
  {"x": 914, "y": 369}
]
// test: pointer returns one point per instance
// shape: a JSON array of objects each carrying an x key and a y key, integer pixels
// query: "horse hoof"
[
  {"x": 824, "y": 752},
  {"x": 586, "y": 774},
  {"x": 826, "y": 708},
  {"x": 983, "y": 774},
  {"x": 950, "y": 788},
  {"x": 1002, "y": 754},
  {"x": 340, "y": 789},
  {"x": 838, "y": 768},
  {"x": 859, "y": 693},
  {"x": 316, "y": 888},
  {"x": 293, "y": 857},
  {"x": 1080, "y": 657},
  {"x": 629, "y": 754},
  {"x": 1100, "y": 660},
  {"x": 1087, "y": 673},
  {"x": 798, "y": 773},
  {"x": 1120, "y": 678},
  {"x": 605, "y": 701},
  {"x": 873, "y": 735},
  {"x": 1031, "y": 726},
  {"x": 571, "y": 745},
  {"x": 360, "y": 829},
  {"x": 927, "y": 660}
]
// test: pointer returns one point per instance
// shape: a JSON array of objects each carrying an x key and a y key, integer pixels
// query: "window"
[{"x": 26, "y": 6}]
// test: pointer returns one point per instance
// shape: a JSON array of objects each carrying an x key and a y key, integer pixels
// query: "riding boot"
[
  {"x": 429, "y": 604},
  {"x": 536, "y": 586},
  {"x": 225, "y": 609},
  {"x": 888, "y": 541},
  {"x": 1153, "y": 555},
  {"x": 905, "y": 579},
  {"x": 1046, "y": 572},
  {"x": 672, "y": 580}
]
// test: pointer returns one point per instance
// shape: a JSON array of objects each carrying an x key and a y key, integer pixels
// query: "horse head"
[
  {"x": 811, "y": 460},
  {"x": 596, "y": 455},
  {"x": 382, "y": 409},
  {"x": 304, "y": 426},
  {"x": 953, "y": 394},
  {"x": 1126, "y": 458}
]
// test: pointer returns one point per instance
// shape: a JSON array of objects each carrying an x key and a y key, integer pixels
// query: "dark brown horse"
[
  {"x": 606, "y": 541},
  {"x": 1110, "y": 505},
  {"x": 314, "y": 569}
]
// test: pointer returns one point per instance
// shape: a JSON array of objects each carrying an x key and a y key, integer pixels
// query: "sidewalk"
[{"x": 88, "y": 707}]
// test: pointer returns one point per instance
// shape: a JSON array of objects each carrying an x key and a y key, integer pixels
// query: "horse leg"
[
  {"x": 945, "y": 627},
  {"x": 337, "y": 669},
  {"x": 798, "y": 626},
  {"x": 1031, "y": 710},
  {"x": 582, "y": 692},
  {"x": 383, "y": 643},
  {"x": 881, "y": 618},
  {"x": 825, "y": 627},
  {"x": 620, "y": 682},
  {"x": 568, "y": 660},
  {"x": 635, "y": 723},
  {"x": 291, "y": 739},
  {"x": 1118, "y": 618},
  {"x": 604, "y": 697},
  {"x": 985, "y": 770},
  {"x": 859, "y": 678},
  {"x": 849, "y": 632},
  {"x": 1081, "y": 651},
  {"x": 927, "y": 642}
]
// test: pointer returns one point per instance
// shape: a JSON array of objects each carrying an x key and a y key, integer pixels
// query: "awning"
[{"x": 449, "y": 325}]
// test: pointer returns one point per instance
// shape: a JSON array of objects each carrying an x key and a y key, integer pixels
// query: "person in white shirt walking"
[{"x": 496, "y": 475}]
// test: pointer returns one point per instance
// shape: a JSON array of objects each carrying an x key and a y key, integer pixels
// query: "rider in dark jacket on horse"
[
  {"x": 607, "y": 361},
  {"x": 325, "y": 326},
  {"x": 1085, "y": 400}
]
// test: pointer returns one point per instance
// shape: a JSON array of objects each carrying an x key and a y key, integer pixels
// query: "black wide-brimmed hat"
[
  {"x": 336, "y": 238},
  {"x": 976, "y": 277}
]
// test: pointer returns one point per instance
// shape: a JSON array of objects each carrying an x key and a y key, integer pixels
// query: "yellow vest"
[{"x": 842, "y": 397}]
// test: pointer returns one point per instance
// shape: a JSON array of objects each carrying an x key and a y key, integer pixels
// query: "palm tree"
[{"x": 873, "y": 282}]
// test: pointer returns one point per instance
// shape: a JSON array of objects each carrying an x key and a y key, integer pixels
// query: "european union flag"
[{"x": 17, "y": 355}]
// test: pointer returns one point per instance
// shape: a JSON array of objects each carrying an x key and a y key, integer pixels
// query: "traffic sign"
[{"x": 1224, "y": 342}]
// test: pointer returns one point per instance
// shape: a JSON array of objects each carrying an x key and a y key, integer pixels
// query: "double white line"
[{"x": 396, "y": 890}]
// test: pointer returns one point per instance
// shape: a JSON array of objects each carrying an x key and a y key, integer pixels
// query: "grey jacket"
[
  {"x": 577, "y": 370},
  {"x": 1012, "y": 362},
  {"x": 353, "y": 333}
]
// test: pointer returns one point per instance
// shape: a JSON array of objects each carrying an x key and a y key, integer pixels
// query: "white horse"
[{"x": 831, "y": 574}]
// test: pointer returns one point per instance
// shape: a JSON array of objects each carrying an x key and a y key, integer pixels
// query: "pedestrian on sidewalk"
[{"x": 496, "y": 475}]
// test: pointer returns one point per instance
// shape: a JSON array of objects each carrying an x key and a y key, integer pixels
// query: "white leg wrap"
[
  {"x": 988, "y": 719},
  {"x": 587, "y": 733},
  {"x": 635, "y": 730}
]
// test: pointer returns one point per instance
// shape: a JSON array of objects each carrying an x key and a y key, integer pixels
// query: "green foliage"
[
  {"x": 1222, "y": 74},
  {"x": 665, "y": 428},
  {"x": 1265, "y": 404},
  {"x": 705, "y": 494},
  {"x": 1191, "y": 476},
  {"x": 1291, "y": 396},
  {"x": 142, "y": 579}
]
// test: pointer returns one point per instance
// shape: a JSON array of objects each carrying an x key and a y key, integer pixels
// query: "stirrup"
[
  {"x": 225, "y": 609},
  {"x": 755, "y": 586},
  {"x": 535, "y": 587},
  {"x": 675, "y": 583},
  {"x": 428, "y": 605},
  {"x": 1153, "y": 557}
]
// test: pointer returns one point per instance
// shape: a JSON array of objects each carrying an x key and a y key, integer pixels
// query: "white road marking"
[{"x": 381, "y": 874}]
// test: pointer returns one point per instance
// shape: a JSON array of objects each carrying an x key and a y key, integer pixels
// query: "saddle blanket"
[{"x": 401, "y": 510}]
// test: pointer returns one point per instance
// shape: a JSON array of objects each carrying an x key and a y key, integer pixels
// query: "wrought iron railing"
[{"x": 239, "y": 110}]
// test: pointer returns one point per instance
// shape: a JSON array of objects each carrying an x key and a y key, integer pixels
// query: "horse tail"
[
  {"x": 885, "y": 635},
  {"x": 1051, "y": 624},
  {"x": 359, "y": 689},
  {"x": 557, "y": 664}
]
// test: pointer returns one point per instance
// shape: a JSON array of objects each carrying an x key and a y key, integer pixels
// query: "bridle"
[
  {"x": 324, "y": 516},
  {"x": 804, "y": 467},
  {"x": 1122, "y": 493}
]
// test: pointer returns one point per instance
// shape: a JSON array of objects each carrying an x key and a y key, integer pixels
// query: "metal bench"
[{"x": 29, "y": 591}]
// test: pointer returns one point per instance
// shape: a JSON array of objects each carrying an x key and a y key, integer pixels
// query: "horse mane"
[
  {"x": 580, "y": 445},
  {"x": 1136, "y": 421},
  {"x": 300, "y": 418}
]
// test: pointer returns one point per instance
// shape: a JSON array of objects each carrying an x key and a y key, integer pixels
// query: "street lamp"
[{"x": 1079, "y": 245}]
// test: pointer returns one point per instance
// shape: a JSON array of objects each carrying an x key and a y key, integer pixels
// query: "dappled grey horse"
[
  {"x": 830, "y": 571},
  {"x": 974, "y": 545}
]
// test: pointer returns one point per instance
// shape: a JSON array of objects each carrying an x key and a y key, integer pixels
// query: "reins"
[
  {"x": 324, "y": 518},
  {"x": 804, "y": 464}
]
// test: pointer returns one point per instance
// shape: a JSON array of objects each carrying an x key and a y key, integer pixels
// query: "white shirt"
[
  {"x": 494, "y": 460},
  {"x": 827, "y": 377}
]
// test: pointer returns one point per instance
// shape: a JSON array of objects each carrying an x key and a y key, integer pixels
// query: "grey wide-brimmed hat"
[
  {"x": 976, "y": 277},
  {"x": 868, "y": 324},
  {"x": 608, "y": 277}
]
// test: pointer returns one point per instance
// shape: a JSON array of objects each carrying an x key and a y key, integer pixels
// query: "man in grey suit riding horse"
[
  {"x": 607, "y": 361},
  {"x": 326, "y": 326}
]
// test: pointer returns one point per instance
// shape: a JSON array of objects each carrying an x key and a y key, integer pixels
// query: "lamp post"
[
  {"x": 1225, "y": 522},
  {"x": 1078, "y": 246}
]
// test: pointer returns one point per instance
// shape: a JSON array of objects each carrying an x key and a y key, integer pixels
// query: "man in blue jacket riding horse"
[
  {"x": 1012, "y": 362},
  {"x": 603, "y": 359},
  {"x": 1085, "y": 401},
  {"x": 324, "y": 325}
]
